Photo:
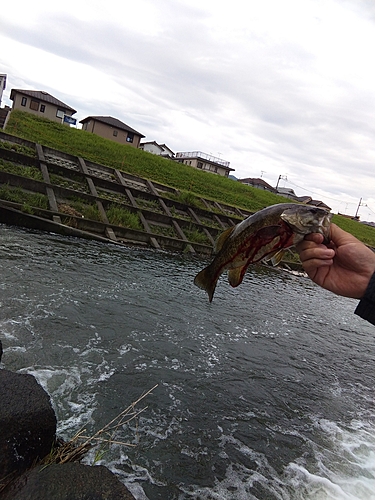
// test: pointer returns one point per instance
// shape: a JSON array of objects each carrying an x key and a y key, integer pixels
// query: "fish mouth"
[{"x": 325, "y": 227}]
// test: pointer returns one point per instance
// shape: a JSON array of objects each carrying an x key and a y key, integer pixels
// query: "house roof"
[
  {"x": 165, "y": 147},
  {"x": 41, "y": 95},
  {"x": 286, "y": 191},
  {"x": 304, "y": 199},
  {"x": 256, "y": 182},
  {"x": 112, "y": 122},
  {"x": 152, "y": 142},
  {"x": 319, "y": 204}
]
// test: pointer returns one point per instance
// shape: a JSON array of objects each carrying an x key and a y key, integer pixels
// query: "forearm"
[{"x": 366, "y": 306}]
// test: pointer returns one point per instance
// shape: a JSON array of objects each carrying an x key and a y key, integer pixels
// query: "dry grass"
[{"x": 75, "y": 449}]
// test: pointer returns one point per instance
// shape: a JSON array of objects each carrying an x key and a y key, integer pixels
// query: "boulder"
[
  {"x": 27, "y": 423},
  {"x": 70, "y": 481}
]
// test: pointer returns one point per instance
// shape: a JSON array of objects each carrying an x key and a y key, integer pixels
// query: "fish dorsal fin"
[{"x": 223, "y": 238}]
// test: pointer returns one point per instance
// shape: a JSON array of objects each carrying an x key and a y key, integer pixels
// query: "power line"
[
  {"x": 317, "y": 194},
  {"x": 328, "y": 197}
]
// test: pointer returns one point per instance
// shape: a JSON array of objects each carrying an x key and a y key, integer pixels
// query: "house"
[
  {"x": 167, "y": 152},
  {"x": 304, "y": 199},
  {"x": 3, "y": 82},
  {"x": 4, "y": 112},
  {"x": 287, "y": 193},
  {"x": 151, "y": 147},
  {"x": 371, "y": 224},
  {"x": 307, "y": 200},
  {"x": 113, "y": 129},
  {"x": 204, "y": 161},
  {"x": 317, "y": 203},
  {"x": 157, "y": 149},
  {"x": 351, "y": 217},
  {"x": 41, "y": 103},
  {"x": 257, "y": 183},
  {"x": 282, "y": 191}
]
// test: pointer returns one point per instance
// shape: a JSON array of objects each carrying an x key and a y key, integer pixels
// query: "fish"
[{"x": 263, "y": 236}]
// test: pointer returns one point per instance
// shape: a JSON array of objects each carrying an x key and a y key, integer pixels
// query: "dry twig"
[{"x": 80, "y": 444}]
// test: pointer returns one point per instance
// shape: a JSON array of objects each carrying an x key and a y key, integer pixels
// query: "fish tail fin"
[{"x": 206, "y": 280}]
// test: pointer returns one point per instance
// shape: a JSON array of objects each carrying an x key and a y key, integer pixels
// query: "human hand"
[{"x": 344, "y": 266}]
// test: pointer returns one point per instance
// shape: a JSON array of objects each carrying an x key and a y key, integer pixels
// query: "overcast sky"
[{"x": 277, "y": 88}]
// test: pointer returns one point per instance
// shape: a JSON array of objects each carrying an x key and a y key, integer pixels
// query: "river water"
[{"x": 266, "y": 393}]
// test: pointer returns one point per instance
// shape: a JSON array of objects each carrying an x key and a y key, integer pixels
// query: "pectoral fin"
[{"x": 276, "y": 258}]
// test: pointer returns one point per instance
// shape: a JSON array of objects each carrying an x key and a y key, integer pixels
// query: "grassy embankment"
[{"x": 192, "y": 183}]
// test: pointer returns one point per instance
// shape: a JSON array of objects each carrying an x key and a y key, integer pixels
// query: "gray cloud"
[{"x": 256, "y": 98}]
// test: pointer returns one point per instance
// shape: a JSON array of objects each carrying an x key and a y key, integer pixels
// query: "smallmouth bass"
[{"x": 264, "y": 235}]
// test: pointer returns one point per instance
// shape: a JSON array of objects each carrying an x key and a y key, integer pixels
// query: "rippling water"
[{"x": 266, "y": 393}]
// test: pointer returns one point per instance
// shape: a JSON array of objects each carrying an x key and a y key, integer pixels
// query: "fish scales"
[{"x": 262, "y": 236}]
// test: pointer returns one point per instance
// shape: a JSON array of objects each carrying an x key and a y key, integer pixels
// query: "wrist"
[
  {"x": 366, "y": 307},
  {"x": 370, "y": 290}
]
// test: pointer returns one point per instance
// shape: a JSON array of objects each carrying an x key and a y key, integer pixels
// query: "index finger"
[{"x": 315, "y": 237}]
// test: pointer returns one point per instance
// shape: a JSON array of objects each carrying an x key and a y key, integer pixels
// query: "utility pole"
[
  {"x": 360, "y": 204},
  {"x": 278, "y": 180}
]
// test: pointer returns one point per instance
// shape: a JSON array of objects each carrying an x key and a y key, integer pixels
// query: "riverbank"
[
  {"x": 53, "y": 191},
  {"x": 191, "y": 184}
]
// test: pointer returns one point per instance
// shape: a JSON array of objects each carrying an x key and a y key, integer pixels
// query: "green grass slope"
[
  {"x": 167, "y": 172},
  {"x": 137, "y": 162}
]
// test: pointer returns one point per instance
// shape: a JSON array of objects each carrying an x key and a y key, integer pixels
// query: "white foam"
[
  {"x": 344, "y": 468},
  {"x": 15, "y": 349},
  {"x": 73, "y": 409}
]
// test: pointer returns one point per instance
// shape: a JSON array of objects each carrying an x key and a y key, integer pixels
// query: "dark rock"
[
  {"x": 27, "y": 423},
  {"x": 70, "y": 481},
  {"x": 1, "y": 350}
]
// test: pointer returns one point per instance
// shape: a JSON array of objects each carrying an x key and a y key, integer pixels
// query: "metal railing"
[{"x": 203, "y": 156}]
